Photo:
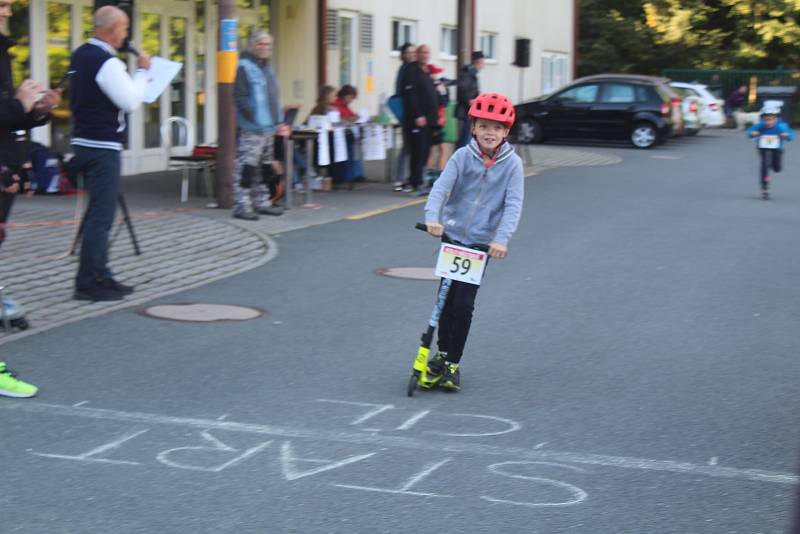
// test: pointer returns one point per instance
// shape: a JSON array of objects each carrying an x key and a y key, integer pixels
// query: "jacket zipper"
[{"x": 477, "y": 203}]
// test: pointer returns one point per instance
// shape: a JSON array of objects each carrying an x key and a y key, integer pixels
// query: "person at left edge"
[
  {"x": 102, "y": 93},
  {"x": 22, "y": 108}
]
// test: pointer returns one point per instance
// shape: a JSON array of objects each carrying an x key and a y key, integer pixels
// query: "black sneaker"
[
  {"x": 270, "y": 210},
  {"x": 110, "y": 283},
  {"x": 245, "y": 215},
  {"x": 451, "y": 377},
  {"x": 96, "y": 294},
  {"x": 436, "y": 364}
]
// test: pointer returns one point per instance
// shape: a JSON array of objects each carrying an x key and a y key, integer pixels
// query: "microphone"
[{"x": 128, "y": 47}]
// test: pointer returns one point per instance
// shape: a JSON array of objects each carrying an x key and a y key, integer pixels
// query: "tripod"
[{"x": 126, "y": 216}]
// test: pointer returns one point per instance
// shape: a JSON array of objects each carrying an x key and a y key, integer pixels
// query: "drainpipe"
[
  {"x": 227, "y": 59},
  {"x": 576, "y": 34},
  {"x": 322, "y": 43}
]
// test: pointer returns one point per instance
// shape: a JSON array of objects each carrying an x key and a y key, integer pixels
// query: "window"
[
  {"x": 449, "y": 46},
  {"x": 554, "y": 72},
  {"x": 489, "y": 45},
  {"x": 403, "y": 31},
  {"x": 619, "y": 93},
  {"x": 59, "y": 25},
  {"x": 583, "y": 94}
]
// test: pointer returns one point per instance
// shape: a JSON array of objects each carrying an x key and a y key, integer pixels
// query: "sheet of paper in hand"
[{"x": 160, "y": 75}]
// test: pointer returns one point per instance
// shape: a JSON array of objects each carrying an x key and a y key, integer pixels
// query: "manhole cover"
[
  {"x": 202, "y": 313},
  {"x": 411, "y": 273}
]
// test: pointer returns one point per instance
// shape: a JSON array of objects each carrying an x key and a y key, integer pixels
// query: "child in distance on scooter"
[
  {"x": 477, "y": 200},
  {"x": 771, "y": 134}
]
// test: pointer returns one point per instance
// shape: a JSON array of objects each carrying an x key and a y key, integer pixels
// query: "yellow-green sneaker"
[
  {"x": 451, "y": 377},
  {"x": 11, "y": 386},
  {"x": 436, "y": 364}
]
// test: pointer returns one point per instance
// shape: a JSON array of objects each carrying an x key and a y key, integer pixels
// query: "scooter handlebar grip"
[{"x": 421, "y": 226}]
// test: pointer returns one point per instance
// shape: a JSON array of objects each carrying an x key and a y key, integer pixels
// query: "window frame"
[
  {"x": 550, "y": 81},
  {"x": 394, "y": 47},
  {"x": 444, "y": 52},
  {"x": 493, "y": 37}
]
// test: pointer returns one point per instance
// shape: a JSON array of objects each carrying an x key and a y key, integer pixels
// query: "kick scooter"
[{"x": 420, "y": 377}]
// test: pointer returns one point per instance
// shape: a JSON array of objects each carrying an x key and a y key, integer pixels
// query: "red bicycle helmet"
[{"x": 493, "y": 107}]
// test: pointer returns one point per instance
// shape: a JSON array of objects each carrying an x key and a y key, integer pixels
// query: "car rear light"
[
  {"x": 676, "y": 102},
  {"x": 693, "y": 106},
  {"x": 665, "y": 109}
]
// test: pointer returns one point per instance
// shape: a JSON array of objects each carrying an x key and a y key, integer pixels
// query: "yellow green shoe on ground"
[
  {"x": 11, "y": 386},
  {"x": 451, "y": 377}
]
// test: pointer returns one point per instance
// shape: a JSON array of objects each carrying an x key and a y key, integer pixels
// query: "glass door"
[{"x": 163, "y": 30}]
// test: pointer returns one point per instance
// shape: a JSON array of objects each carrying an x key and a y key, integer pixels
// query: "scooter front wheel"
[{"x": 413, "y": 380}]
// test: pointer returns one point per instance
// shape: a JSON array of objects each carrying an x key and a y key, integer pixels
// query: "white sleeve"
[{"x": 125, "y": 92}]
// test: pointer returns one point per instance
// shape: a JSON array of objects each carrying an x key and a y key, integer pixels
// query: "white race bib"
[
  {"x": 461, "y": 263},
  {"x": 769, "y": 141}
]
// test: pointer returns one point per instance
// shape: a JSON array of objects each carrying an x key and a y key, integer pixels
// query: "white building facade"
[{"x": 317, "y": 42}]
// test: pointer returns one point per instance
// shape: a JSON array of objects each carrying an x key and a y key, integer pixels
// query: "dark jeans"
[
  {"x": 101, "y": 170},
  {"x": 456, "y": 319},
  {"x": 6, "y": 201},
  {"x": 770, "y": 158},
  {"x": 465, "y": 132},
  {"x": 419, "y": 148}
]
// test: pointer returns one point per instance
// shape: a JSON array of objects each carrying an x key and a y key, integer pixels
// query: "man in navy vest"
[
  {"x": 102, "y": 94},
  {"x": 258, "y": 117}
]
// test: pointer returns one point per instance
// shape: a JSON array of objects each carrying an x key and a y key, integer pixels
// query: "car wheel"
[
  {"x": 529, "y": 131},
  {"x": 644, "y": 135}
]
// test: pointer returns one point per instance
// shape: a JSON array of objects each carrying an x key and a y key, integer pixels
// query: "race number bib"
[
  {"x": 461, "y": 263},
  {"x": 769, "y": 141}
]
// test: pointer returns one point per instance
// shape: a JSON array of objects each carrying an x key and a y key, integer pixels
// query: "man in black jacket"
[
  {"x": 420, "y": 110},
  {"x": 21, "y": 109},
  {"x": 466, "y": 91}
]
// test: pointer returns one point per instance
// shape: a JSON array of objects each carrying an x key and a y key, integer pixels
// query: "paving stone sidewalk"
[
  {"x": 182, "y": 247},
  {"x": 179, "y": 251}
]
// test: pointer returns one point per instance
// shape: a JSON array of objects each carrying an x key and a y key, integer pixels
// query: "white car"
[
  {"x": 712, "y": 113},
  {"x": 691, "y": 110}
]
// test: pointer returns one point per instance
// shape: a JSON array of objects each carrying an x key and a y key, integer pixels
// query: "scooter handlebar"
[{"x": 424, "y": 228}]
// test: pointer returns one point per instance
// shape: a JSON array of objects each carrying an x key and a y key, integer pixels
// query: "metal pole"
[
  {"x": 576, "y": 33},
  {"x": 310, "y": 159},
  {"x": 288, "y": 170},
  {"x": 6, "y": 322},
  {"x": 227, "y": 59}
]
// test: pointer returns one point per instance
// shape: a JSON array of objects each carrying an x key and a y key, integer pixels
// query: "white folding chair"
[{"x": 177, "y": 136}]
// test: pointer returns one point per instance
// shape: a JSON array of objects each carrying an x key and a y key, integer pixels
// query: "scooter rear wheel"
[{"x": 412, "y": 383}]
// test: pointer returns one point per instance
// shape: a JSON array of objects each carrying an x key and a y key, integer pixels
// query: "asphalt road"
[{"x": 632, "y": 369}]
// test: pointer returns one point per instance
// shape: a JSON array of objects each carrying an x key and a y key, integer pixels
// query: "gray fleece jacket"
[{"x": 476, "y": 204}]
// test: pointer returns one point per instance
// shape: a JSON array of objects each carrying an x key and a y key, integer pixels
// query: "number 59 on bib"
[{"x": 461, "y": 264}]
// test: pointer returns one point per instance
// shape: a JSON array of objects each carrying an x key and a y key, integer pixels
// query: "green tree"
[{"x": 648, "y": 36}]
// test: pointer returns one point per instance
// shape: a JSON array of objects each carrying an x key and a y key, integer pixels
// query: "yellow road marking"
[{"x": 393, "y": 207}]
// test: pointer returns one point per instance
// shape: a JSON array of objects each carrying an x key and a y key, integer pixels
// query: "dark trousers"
[
  {"x": 6, "y": 201},
  {"x": 456, "y": 319},
  {"x": 771, "y": 158},
  {"x": 465, "y": 132},
  {"x": 101, "y": 170},
  {"x": 419, "y": 148}
]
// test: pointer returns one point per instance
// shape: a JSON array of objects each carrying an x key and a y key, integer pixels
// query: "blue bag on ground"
[{"x": 46, "y": 171}]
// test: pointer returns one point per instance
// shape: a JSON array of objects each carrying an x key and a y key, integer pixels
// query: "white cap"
[{"x": 770, "y": 109}]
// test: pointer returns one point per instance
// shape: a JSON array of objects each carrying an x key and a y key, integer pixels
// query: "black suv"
[{"x": 604, "y": 106}]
